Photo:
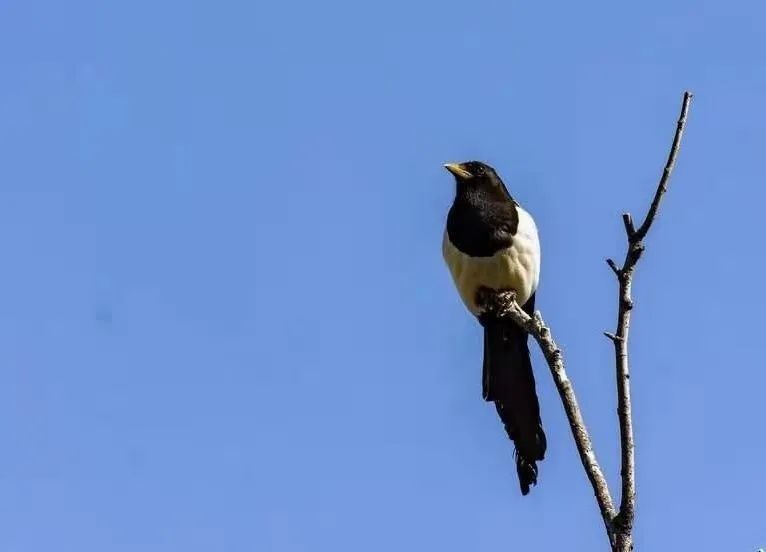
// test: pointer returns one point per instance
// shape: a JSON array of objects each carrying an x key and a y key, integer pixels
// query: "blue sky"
[{"x": 224, "y": 319}]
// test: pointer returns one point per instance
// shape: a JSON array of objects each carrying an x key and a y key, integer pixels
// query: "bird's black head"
[{"x": 476, "y": 175}]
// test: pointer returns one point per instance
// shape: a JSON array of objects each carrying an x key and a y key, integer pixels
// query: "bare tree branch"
[
  {"x": 618, "y": 524},
  {"x": 627, "y": 220},
  {"x": 623, "y": 523},
  {"x": 504, "y": 304},
  {"x": 613, "y": 266},
  {"x": 640, "y": 234}
]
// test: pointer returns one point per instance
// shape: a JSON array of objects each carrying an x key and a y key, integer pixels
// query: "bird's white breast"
[{"x": 516, "y": 268}]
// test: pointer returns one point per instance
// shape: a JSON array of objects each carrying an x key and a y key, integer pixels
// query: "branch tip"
[
  {"x": 662, "y": 187},
  {"x": 614, "y": 267},
  {"x": 627, "y": 220}
]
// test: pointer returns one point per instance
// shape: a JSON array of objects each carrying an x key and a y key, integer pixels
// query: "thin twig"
[
  {"x": 614, "y": 267},
  {"x": 504, "y": 304},
  {"x": 627, "y": 220},
  {"x": 623, "y": 523},
  {"x": 671, "y": 162}
]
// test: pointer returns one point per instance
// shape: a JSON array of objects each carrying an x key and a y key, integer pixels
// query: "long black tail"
[{"x": 508, "y": 380}]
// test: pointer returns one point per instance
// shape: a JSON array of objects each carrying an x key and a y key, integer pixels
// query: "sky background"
[{"x": 225, "y": 323}]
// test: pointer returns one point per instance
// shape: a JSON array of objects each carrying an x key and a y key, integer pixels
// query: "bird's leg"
[{"x": 493, "y": 300}]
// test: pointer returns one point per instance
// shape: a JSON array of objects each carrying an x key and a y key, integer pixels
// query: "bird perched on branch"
[{"x": 491, "y": 243}]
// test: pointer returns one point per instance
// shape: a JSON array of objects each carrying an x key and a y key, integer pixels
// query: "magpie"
[{"x": 490, "y": 242}]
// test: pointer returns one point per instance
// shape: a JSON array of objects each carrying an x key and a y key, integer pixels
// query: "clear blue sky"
[{"x": 225, "y": 324}]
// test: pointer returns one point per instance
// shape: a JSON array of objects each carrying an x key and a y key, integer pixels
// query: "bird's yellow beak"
[{"x": 458, "y": 170}]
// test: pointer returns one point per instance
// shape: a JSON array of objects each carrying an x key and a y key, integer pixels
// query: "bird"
[{"x": 491, "y": 243}]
